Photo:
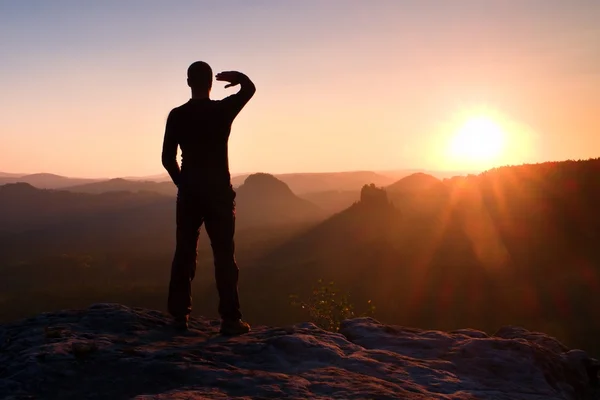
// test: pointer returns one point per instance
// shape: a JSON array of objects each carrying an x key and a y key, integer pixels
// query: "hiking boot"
[
  {"x": 181, "y": 323},
  {"x": 234, "y": 327}
]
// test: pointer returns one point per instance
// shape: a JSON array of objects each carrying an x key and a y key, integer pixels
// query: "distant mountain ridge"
[
  {"x": 301, "y": 183},
  {"x": 330, "y": 201},
  {"x": 122, "y": 184},
  {"x": 264, "y": 199},
  {"x": 23, "y": 206},
  {"x": 9, "y": 175},
  {"x": 529, "y": 228},
  {"x": 346, "y": 247},
  {"x": 46, "y": 181},
  {"x": 414, "y": 183},
  {"x": 514, "y": 245}
]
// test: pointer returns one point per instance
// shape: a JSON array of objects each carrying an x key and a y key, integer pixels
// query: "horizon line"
[{"x": 235, "y": 174}]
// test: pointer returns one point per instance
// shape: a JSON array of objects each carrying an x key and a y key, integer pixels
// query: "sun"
[
  {"x": 478, "y": 140},
  {"x": 480, "y": 137}
]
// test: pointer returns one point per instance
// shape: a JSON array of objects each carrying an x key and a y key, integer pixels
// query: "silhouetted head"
[{"x": 199, "y": 76}]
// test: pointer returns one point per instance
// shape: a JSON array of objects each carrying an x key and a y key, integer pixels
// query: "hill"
[
  {"x": 119, "y": 184},
  {"x": 368, "y": 249},
  {"x": 162, "y": 177},
  {"x": 416, "y": 182},
  {"x": 329, "y": 201},
  {"x": 90, "y": 354},
  {"x": 396, "y": 175},
  {"x": 9, "y": 175},
  {"x": 427, "y": 188},
  {"x": 512, "y": 245},
  {"x": 302, "y": 183},
  {"x": 265, "y": 200},
  {"x": 46, "y": 181},
  {"x": 261, "y": 201},
  {"x": 332, "y": 201},
  {"x": 38, "y": 226},
  {"x": 24, "y": 207},
  {"x": 419, "y": 193}
]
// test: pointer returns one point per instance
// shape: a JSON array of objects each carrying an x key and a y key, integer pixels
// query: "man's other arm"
[
  {"x": 234, "y": 103},
  {"x": 169, "y": 151}
]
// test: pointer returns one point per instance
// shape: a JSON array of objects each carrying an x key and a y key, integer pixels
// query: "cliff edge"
[{"x": 110, "y": 351}]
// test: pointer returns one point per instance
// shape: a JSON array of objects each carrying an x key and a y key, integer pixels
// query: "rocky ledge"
[{"x": 109, "y": 351}]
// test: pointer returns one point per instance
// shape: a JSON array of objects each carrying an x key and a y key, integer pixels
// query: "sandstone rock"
[{"x": 110, "y": 351}]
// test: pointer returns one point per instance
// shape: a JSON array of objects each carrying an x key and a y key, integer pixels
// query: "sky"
[{"x": 86, "y": 85}]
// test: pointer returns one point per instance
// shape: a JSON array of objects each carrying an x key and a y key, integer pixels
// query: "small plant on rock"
[{"x": 328, "y": 306}]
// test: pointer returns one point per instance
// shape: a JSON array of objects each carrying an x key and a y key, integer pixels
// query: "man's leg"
[
  {"x": 220, "y": 226},
  {"x": 183, "y": 269}
]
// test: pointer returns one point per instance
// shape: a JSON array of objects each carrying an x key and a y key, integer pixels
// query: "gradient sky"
[{"x": 341, "y": 85}]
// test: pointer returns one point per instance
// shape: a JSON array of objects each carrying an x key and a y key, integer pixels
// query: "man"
[{"x": 201, "y": 128}]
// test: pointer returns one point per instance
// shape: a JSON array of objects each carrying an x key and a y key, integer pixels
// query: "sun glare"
[{"x": 479, "y": 139}]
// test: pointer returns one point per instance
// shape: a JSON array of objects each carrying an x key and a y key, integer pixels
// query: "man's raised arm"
[
  {"x": 237, "y": 101},
  {"x": 169, "y": 151}
]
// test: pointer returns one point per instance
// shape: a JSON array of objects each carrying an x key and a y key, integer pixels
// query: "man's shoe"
[
  {"x": 181, "y": 323},
  {"x": 234, "y": 327}
]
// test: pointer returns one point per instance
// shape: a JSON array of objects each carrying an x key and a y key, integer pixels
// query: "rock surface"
[{"x": 109, "y": 351}]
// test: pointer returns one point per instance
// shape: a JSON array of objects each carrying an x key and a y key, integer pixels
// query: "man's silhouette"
[{"x": 201, "y": 127}]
